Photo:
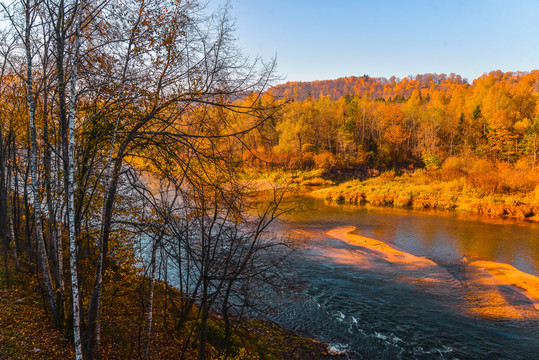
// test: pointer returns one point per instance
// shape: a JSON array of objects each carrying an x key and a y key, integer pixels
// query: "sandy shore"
[
  {"x": 503, "y": 290},
  {"x": 381, "y": 249}
]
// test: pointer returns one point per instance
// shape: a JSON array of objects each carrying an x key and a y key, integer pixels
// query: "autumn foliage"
[{"x": 416, "y": 122}]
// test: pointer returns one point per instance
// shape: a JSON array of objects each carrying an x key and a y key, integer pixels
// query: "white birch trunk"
[
  {"x": 149, "y": 318},
  {"x": 70, "y": 193},
  {"x": 34, "y": 180}
]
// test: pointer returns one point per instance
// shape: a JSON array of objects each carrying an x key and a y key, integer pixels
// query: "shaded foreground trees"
[{"x": 115, "y": 122}]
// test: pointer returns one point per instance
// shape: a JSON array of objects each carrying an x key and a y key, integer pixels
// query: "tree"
[
  {"x": 129, "y": 78},
  {"x": 27, "y": 11}
]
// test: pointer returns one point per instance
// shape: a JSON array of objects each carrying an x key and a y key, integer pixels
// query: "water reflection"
[
  {"x": 447, "y": 285},
  {"x": 439, "y": 236}
]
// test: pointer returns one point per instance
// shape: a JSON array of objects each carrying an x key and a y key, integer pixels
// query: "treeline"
[
  {"x": 113, "y": 177},
  {"x": 366, "y": 86},
  {"x": 494, "y": 119}
]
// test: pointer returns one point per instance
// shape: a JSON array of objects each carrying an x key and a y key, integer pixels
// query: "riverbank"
[
  {"x": 26, "y": 331},
  {"x": 422, "y": 191}
]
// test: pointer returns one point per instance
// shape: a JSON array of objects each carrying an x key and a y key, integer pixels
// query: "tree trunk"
[
  {"x": 203, "y": 332},
  {"x": 15, "y": 200},
  {"x": 70, "y": 191},
  {"x": 55, "y": 245},
  {"x": 149, "y": 317},
  {"x": 4, "y": 237},
  {"x": 94, "y": 309},
  {"x": 29, "y": 247},
  {"x": 14, "y": 244},
  {"x": 34, "y": 180}
]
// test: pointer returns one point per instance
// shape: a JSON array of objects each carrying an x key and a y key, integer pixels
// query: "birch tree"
[{"x": 28, "y": 11}]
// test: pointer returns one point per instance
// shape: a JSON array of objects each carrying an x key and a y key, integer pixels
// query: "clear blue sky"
[{"x": 328, "y": 39}]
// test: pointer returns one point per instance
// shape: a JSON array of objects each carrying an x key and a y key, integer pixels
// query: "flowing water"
[{"x": 426, "y": 295}]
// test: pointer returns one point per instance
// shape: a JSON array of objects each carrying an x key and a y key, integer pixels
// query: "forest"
[
  {"x": 418, "y": 121},
  {"x": 438, "y": 141},
  {"x": 489, "y": 128},
  {"x": 127, "y": 130}
]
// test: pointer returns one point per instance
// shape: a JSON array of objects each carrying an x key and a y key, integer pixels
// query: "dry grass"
[{"x": 485, "y": 188}]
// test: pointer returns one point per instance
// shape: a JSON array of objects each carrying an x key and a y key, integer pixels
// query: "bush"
[
  {"x": 517, "y": 178},
  {"x": 452, "y": 168},
  {"x": 431, "y": 161},
  {"x": 325, "y": 161},
  {"x": 388, "y": 175},
  {"x": 483, "y": 175}
]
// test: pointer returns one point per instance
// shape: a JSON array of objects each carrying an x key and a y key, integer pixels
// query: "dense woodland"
[
  {"x": 412, "y": 123},
  {"x": 373, "y": 88}
]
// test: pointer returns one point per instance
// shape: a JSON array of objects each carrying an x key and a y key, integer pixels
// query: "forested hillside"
[{"x": 412, "y": 123}]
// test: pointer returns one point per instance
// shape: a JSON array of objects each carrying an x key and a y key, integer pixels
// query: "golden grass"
[{"x": 422, "y": 191}]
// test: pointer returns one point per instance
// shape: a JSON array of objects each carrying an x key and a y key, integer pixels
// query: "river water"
[{"x": 373, "y": 307}]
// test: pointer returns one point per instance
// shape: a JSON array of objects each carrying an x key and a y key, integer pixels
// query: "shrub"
[
  {"x": 517, "y": 178},
  {"x": 452, "y": 168},
  {"x": 306, "y": 161},
  {"x": 483, "y": 175},
  {"x": 388, "y": 175},
  {"x": 325, "y": 161},
  {"x": 316, "y": 181},
  {"x": 432, "y": 161}
]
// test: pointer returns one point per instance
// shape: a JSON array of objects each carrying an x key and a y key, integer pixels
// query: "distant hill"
[{"x": 373, "y": 88}]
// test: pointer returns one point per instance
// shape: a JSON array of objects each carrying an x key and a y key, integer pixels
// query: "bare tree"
[
  {"x": 28, "y": 10},
  {"x": 121, "y": 86}
]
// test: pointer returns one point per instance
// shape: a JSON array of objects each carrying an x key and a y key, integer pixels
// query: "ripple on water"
[{"x": 380, "y": 310}]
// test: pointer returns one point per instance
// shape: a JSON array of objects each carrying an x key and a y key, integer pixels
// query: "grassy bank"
[
  {"x": 291, "y": 178},
  {"x": 26, "y": 330},
  {"x": 422, "y": 190}
]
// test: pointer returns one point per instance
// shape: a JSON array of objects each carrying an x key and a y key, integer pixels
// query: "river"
[{"x": 441, "y": 286}]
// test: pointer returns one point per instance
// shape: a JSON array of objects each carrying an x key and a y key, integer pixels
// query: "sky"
[{"x": 323, "y": 39}]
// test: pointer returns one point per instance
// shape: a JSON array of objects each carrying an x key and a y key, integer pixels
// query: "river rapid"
[{"x": 383, "y": 283}]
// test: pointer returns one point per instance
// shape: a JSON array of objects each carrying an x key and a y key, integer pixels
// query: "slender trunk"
[
  {"x": 55, "y": 245},
  {"x": 70, "y": 192},
  {"x": 15, "y": 198},
  {"x": 13, "y": 245},
  {"x": 94, "y": 309},
  {"x": 34, "y": 180},
  {"x": 149, "y": 318},
  {"x": 11, "y": 207},
  {"x": 203, "y": 323},
  {"x": 166, "y": 294},
  {"x": 4, "y": 237},
  {"x": 224, "y": 312},
  {"x": 29, "y": 247}
]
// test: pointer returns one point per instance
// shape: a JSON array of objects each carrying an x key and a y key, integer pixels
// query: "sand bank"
[{"x": 488, "y": 289}]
